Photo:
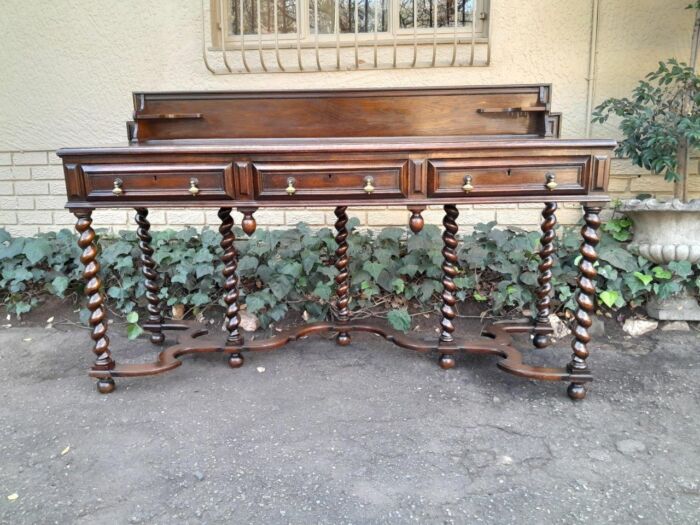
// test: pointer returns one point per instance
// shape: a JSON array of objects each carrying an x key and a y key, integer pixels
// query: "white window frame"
[{"x": 305, "y": 37}]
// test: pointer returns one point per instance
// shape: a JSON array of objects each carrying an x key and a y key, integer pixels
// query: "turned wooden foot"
[
  {"x": 235, "y": 360},
  {"x": 343, "y": 339},
  {"x": 576, "y": 391},
  {"x": 106, "y": 385},
  {"x": 157, "y": 339},
  {"x": 447, "y": 361}
]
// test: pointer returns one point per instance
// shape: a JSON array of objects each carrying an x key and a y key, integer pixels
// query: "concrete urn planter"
[{"x": 665, "y": 232}]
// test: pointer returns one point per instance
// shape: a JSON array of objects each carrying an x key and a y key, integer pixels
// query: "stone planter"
[{"x": 665, "y": 232}]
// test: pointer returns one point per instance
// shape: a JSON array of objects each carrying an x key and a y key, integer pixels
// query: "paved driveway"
[{"x": 363, "y": 434}]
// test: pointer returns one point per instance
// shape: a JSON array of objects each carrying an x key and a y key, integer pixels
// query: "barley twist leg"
[
  {"x": 230, "y": 259},
  {"x": 342, "y": 280},
  {"x": 449, "y": 272},
  {"x": 585, "y": 298},
  {"x": 148, "y": 269},
  {"x": 98, "y": 322},
  {"x": 544, "y": 279}
]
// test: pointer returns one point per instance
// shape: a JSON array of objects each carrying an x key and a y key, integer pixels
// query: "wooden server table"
[{"x": 407, "y": 147}]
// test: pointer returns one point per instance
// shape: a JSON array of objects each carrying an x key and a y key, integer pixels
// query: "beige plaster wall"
[{"x": 68, "y": 67}]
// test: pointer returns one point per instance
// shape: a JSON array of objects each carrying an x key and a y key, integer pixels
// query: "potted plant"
[{"x": 660, "y": 124}]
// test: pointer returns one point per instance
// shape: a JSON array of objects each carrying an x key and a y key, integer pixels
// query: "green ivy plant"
[{"x": 394, "y": 273}]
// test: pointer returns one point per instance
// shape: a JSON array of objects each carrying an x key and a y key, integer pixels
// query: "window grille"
[{"x": 255, "y": 36}]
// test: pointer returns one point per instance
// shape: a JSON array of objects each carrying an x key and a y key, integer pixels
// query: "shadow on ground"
[{"x": 363, "y": 434}]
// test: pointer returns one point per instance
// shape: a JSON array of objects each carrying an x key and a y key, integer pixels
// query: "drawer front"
[
  {"x": 509, "y": 176},
  {"x": 129, "y": 182},
  {"x": 360, "y": 180}
]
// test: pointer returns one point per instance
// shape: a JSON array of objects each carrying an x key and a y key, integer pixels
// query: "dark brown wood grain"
[
  {"x": 343, "y": 113},
  {"x": 413, "y": 147}
]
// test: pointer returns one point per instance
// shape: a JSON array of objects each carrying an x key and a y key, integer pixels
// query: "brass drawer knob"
[
  {"x": 467, "y": 186},
  {"x": 291, "y": 190},
  {"x": 551, "y": 183},
  {"x": 369, "y": 185},
  {"x": 194, "y": 188},
  {"x": 117, "y": 190}
]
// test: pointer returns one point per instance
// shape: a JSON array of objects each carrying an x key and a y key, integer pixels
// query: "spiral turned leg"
[
  {"x": 86, "y": 241},
  {"x": 342, "y": 280},
  {"x": 148, "y": 268},
  {"x": 449, "y": 272},
  {"x": 230, "y": 259},
  {"x": 585, "y": 298},
  {"x": 549, "y": 221}
]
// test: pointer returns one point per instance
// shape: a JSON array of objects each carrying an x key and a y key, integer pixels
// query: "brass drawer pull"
[
  {"x": 117, "y": 190},
  {"x": 467, "y": 187},
  {"x": 291, "y": 190},
  {"x": 369, "y": 185},
  {"x": 551, "y": 184},
  {"x": 194, "y": 188}
]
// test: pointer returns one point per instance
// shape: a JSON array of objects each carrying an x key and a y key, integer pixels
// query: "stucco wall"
[{"x": 69, "y": 67}]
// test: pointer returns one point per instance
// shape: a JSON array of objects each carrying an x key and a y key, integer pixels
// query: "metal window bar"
[{"x": 329, "y": 49}]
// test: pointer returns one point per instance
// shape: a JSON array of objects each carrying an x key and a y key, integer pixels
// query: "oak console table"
[{"x": 408, "y": 147}]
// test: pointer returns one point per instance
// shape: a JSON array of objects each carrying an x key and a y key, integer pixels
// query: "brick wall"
[{"x": 32, "y": 196}]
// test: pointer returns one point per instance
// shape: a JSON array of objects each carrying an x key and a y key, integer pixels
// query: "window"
[{"x": 314, "y": 35}]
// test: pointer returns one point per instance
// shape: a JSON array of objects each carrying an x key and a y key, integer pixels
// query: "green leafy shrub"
[{"x": 293, "y": 269}]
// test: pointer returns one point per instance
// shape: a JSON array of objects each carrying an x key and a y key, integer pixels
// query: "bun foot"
[
  {"x": 106, "y": 385},
  {"x": 540, "y": 341},
  {"x": 235, "y": 360},
  {"x": 447, "y": 361},
  {"x": 157, "y": 339},
  {"x": 343, "y": 339},
  {"x": 576, "y": 391}
]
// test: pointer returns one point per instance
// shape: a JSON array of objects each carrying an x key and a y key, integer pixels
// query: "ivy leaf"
[
  {"x": 199, "y": 298},
  {"x": 293, "y": 269},
  {"x": 409, "y": 269},
  {"x": 323, "y": 291},
  {"x": 427, "y": 288},
  {"x": 399, "y": 319},
  {"x": 373, "y": 268},
  {"x": 255, "y": 303},
  {"x": 308, "y": 262},
  {"x": 247, "y": 263},
  {"x": 398, "y": 285},
  {"x": 609, "y": 297},
  {"x": 132, "y": 317},
  {"x": 661, "y": 273},
  {"x": 22, "y": 308},
  {"x": 60, "y": 285},
  {"x": 36, "y": 249},
  {"x": 13, "y": 249},
  {"x": 281, "y": 286},
  {"x": 618, "y": 257},
  {"x": 133, "y": 331},
  {"x": 392, "y": 234},
  {"x": 480, "y": 298},
  {"x": 646, "y": 279},
  {"x": 117, "y": 292},
  {"x": 529, "y": 278},
  {"x": 682, "y": 269}
]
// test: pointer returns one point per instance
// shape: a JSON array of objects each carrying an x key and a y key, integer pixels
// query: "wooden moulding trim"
[
  {"x": 335, "y": 93},
  {"x": 496, "y": 341},
  {"x": 423, "y": 145},
  {"x": 350, "y": 202}
]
